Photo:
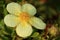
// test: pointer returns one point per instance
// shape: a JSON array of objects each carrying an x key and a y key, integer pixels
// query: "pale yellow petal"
[
  {"x": 24, "y": 30},
  {"x": 11, "y": 20},
  {"x": 37, "y": 23},
  {"x": 30, "y": 9},
  {"x": 14, "y": 8}
]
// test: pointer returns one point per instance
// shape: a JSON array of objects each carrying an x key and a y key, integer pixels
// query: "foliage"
[{"x": 48, "y": 11}]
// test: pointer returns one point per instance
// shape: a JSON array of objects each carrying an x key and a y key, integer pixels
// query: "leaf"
[
  {"x": 5, "y": 11},
  {"x": 2, "y": 24},
  {"x": 58, "y": 38},
  {"x": 52, "y": 11},
  {"x": 13, "y": 35},
  {"x": 4, "y": 37},
  {"x": 36, "y": 34},
  {"x": 20, "y": 0}
]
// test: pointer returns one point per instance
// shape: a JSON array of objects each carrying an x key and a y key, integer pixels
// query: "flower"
[
  {"x": 53, "y": 30},
  {"x": 22, "y": 17}
]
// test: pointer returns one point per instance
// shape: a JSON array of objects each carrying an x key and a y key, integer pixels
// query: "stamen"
[{"x": 24, "y": 16}]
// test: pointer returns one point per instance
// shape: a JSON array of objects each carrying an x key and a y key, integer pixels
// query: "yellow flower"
[
  {"x": 53, "y": 30},
  {"x": 22, "y": 17}
]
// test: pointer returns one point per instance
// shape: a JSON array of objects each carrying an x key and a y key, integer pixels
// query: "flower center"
[{"x": 24, "y": 16}]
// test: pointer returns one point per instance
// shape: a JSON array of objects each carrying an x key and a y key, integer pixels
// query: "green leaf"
[
  {"x": 5, "y": 11},
  {"x": 58, "y": 38},
  {"x": 36, "y": 34},
  {"x": 2, "y": 24},
  {"x": 4, "y": 37},
  {"x": 20, "y": 0},
  {"x": 13, "y": 35}
]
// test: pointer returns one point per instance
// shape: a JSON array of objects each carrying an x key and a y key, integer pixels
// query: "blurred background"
[{"x": 47, "y": 10}]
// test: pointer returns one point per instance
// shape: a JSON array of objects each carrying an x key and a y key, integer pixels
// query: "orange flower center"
[{"x": 24, "y": 16}]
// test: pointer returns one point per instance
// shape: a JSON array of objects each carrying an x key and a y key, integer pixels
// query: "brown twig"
[
  {"x": 46, "y": 30},
  {"x": 23, "y": 1}
]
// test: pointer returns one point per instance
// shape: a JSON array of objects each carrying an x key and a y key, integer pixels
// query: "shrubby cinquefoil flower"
[{"x": 22, "y": 17}]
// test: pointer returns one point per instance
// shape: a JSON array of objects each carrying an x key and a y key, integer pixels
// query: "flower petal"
[
  {"x": 24, "y": 30},
  {"x": 37, "y": 23},
  {"x": 11, "y": 20},
  {"x": 29, "y": 8},
  {"x": 14, "y": 8}
]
